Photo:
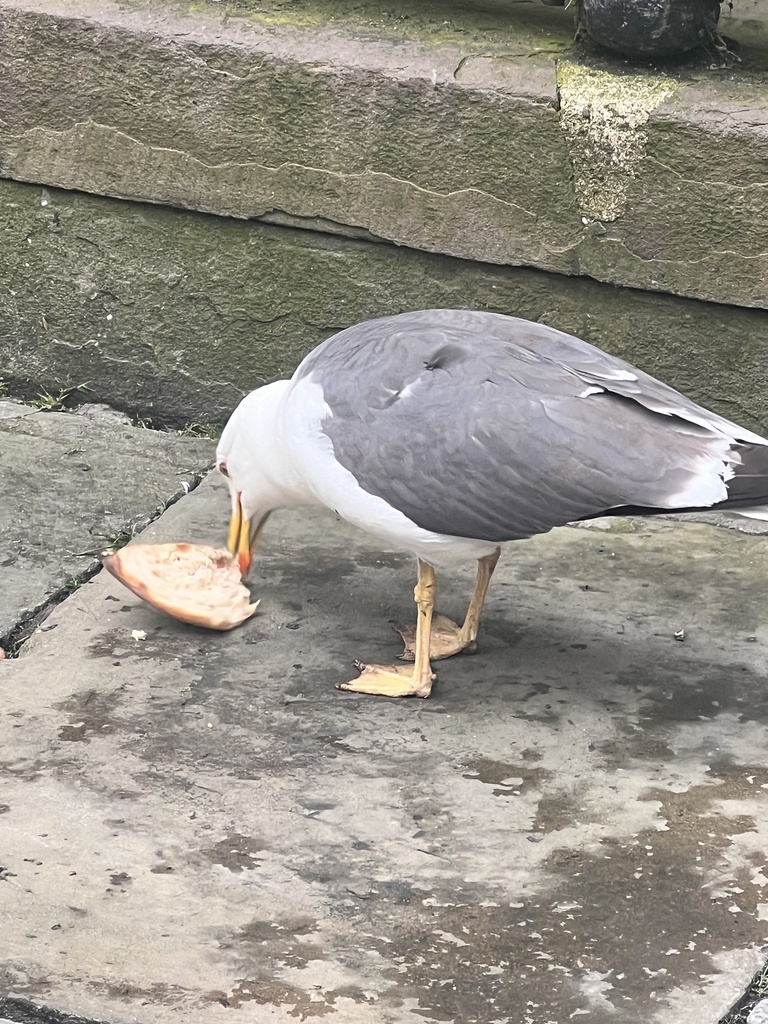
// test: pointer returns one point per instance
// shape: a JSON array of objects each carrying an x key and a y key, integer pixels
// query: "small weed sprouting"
[
  {"x": 114, "y": 541},
  {"x": 212, "y": 431},
  {"x": 48, "y": 402},
  {"x": 118, "y": 539}
]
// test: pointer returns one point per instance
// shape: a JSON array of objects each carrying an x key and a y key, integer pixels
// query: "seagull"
[{"x": 448, "y": 433}]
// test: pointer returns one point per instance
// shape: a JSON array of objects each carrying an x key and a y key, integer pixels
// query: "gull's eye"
[{"x": 222, "y": 468}]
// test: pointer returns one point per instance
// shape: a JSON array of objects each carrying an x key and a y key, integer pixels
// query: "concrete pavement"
[
  {"x": 70, "y": 485},
  {"x": 573, "y": 825}
]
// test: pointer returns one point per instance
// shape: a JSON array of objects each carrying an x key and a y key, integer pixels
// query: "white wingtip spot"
[
  {"x": 616, "y": 375},
  {"x": 706, "y": 483}
]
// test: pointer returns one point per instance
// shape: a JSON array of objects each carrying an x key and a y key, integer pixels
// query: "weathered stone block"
[
  {"x": 468, "y": 132},
  {"x": 174, "y": 315}
]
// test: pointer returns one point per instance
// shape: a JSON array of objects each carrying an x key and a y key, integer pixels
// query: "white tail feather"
[{"x": 756, "y": 512}]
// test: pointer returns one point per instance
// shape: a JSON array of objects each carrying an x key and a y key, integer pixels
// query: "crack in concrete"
[
  {"x": 320, "y": 225},
  {"x": 712, "y": 254},
  {"x": 196, "y": 58},
  {"x": 714, "y": 183},
  {"x": 14, "y": 639},
  {"x": 291, "y": 167},
  {"x": 20, "y": 1011}
]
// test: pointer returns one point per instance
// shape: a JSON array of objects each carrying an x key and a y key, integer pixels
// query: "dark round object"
[{"x": 650, "y": 28}]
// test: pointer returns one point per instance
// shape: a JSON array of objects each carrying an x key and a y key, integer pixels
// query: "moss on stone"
[
  {"x": 172, "y": 315},
  {"x": 437, "y": 129},
  {"x": 503, "y": 25}
]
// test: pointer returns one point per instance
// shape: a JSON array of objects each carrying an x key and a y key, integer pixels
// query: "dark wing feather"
[{"x": 484, "y": 426}]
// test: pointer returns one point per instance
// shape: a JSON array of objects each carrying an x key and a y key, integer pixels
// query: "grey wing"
[{"x": 483, "y": 426}]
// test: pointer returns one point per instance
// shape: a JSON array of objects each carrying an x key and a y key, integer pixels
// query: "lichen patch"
[{"x": 602, "y": 116}]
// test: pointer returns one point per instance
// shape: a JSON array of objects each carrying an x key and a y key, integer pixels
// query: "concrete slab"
[
  {"x": 464, "y": 129},
  {"x": 70, "y": 485},
  {"x": 575, "y": 824}
]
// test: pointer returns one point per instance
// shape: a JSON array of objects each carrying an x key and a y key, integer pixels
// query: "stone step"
[
  {"x": 474, "y": 132},
  {"x": 173, "y": 315}
]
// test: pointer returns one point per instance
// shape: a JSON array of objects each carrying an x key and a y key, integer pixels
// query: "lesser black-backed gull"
[{"x": 447, "y": 433}]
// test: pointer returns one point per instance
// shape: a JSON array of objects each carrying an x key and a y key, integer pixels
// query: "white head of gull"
[{"x": 447, "y": 433}]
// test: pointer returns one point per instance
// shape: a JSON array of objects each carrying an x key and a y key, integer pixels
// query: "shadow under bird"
[{"x": 447, "y": 433}]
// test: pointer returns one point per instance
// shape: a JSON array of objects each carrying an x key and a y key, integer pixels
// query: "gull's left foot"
[
  {"x": 444, "y": 640},
  {"x": 388, "y": 681}
]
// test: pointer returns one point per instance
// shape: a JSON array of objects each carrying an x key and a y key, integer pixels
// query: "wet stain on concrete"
[
  {"x": 262, "y": 949},
  {"x": 122, "y": 794},
  {"x": 313, "y": 566},
  {"x": 162, "y": 643},
  {"x": 461, "y": 954},
  {"x": 592, "y": 935},
  {"x": 279, "y": 943},
  {"x": 26, "y": 978},
  {"x": 236, "y": 852},
  {"x": 120, "y": 880},
  {"x": 161, "y": 869},
  {"x": 230, "y": 721},
  {"x": 688, "y": 692},
  {"x": 336, "y": 744},
  {"x": 158, "y": 993},
  {"x": 704, "y": 692},
  {"x": 507, "y": 779},
  {"x": 22, "y": 768},
  {"x": 275, "y": 993},
  {"x": 378, "y": 812},
  {"x": 466, "y": 953},
  {"x": 556, "y": 811},
  {"x": 91, "y": 713},
  {"x": 634, "y": 743}
]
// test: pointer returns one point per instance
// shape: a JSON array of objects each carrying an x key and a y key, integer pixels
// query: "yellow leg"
[
  {"x": 485, "y": 566},
  {"x": 447, "y": 637},
  {"x": 402, "y": 680}
]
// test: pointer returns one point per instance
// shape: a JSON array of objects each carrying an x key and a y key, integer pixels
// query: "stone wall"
[
  {"x": 171, "y": 315},
  {"x": 311, "y": 167}
]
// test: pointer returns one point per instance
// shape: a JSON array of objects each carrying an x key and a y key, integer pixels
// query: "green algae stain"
[{"x": 495, "y": 24}]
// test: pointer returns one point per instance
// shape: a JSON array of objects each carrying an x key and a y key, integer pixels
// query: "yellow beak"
[{"x": 243, "y": 538}]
